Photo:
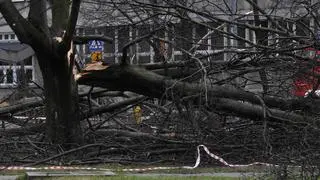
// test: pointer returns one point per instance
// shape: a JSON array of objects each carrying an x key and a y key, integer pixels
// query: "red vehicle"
[{"x": 306, "y": 82}]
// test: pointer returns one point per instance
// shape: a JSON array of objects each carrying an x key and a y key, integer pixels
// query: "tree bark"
[
  {"x": 61, "y": 103},
  {"x": 53, "y": 49},
  {"x": 142, "y": 81}
]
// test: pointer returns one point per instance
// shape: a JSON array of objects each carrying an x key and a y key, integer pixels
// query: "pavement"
[{"x": 8, "y": 177}]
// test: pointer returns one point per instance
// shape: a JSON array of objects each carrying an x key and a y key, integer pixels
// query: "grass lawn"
[
  {"x": 142, "y": 178},
  {"x": 121, "y": 175}
]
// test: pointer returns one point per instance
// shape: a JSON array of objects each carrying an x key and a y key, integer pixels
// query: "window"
[
  {"x": 9, "y": 74},
  {"x": 109, "y": 47},
  {"x": 183, "y": 35},
  {"x": 166, "y": 44},
  {"x": 200, "y": 32},
  {"x": 8, "y": 37},
  {"x": 16, "y": 74},
  {"x": 124, "y": 36},
  {"x": 143, "y": 45},
  {"x": 217, "y": 43},
  {"x": 24, "y": 71},
  {"x": 242, "y": 33},
  {"x": 262, "y": 36},
  {"x": 2, "y": 76}
]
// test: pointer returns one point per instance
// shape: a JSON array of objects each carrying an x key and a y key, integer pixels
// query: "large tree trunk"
[
  {"x": 53, "y": 48},
  {"x": 229, "y": 99},
  {"x": 61, "y": 102}
]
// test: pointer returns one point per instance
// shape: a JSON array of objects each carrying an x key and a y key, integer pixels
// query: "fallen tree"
[
  {"x": 201, "y": 107},
  {"x": 226, "y": 98}
]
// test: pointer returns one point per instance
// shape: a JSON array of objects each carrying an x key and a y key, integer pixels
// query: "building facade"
[{"x": 18, "y": 64}]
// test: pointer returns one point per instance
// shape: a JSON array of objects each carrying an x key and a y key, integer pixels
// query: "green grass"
[
  {"x": 142, "y": 178},
  {"x": 217, "y": 169},
  {"x": 122, "y": 175}
]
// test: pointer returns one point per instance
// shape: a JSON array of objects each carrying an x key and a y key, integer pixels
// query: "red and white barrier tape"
[
  {"x": 223, "y": 161},
  {"x": 139, "y": 169}
]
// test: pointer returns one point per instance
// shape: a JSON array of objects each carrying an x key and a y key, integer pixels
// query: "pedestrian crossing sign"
[{"x": 95, "y": 45}]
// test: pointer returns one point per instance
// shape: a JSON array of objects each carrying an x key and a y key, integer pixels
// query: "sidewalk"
[{"x": 8, "y": 177}]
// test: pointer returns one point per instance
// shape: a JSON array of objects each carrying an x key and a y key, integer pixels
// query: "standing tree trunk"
[
  {"x": 53, "y": 48},
  {"x": 61, "y": 104}
]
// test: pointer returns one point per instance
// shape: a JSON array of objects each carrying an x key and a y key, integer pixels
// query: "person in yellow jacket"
[
  {"x": 96, "y": 56},
  {"x": 137, "y": 113}
]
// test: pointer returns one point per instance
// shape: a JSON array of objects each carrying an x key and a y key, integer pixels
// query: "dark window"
[
  {"x": 217, "y": 42},
  {"x": 123, "y": 36},
  {"x": 1, "y": 76},
  {"x": 200, "y": 32},
  {"x": 12, "y": 36},
  {"x": 217, "y": 39},
  {"x": 9, "y": 76},
  {"x": 29, "y": 75},
  {"x": 183, "y": 35},
  {"x": 1, "y": 36},
  {"x": 6, "y": 36},
  {"x": 20, "y": 76},
  {"x": 28, "y": 61},
  {"x": 109, "y": 47},
  {"x": 242, "y": 33},
  {"x": 3, "y": 64},
  {"x": 262, "y": 36},
  {"x": 141, "y": 31}
]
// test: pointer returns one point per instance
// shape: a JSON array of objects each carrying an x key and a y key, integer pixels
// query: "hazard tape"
[{"x": 221, "y": 160}]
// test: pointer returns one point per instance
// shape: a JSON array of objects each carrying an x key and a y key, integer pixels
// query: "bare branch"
[
  {"x": 65, "y": 153},
  {"x": 256, "y": 111},
  {"x": 112, "y": 107},
  {"x": 257, "y": 8},
  {"x": 60, "y": 15},
  {"x": 160, "y": 137},
  {"x": 25, "y": 31},
  {"x": 137, "y": 40},
  {"x": 68, "y": 36},
  {"x": 23, "y": 131},
  {"x": 38, "y": 16},
  {"x": 17, "y": 107}
]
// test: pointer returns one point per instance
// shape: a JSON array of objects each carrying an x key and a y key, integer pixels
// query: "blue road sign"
[{"x": 95, "y": 45}]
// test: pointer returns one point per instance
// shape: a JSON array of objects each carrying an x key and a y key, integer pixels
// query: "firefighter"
[
  {"x": 96, "y": 56},
  {"x": 137, "y": 113}
]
